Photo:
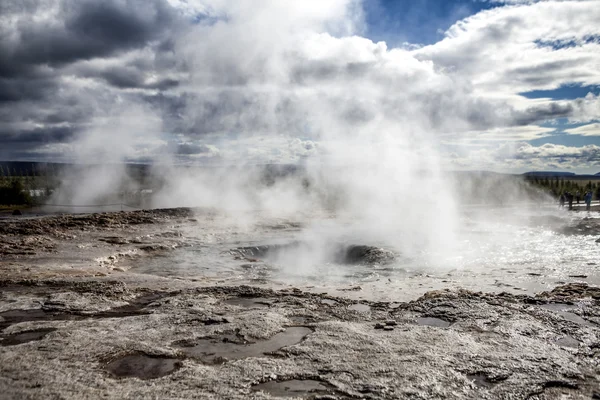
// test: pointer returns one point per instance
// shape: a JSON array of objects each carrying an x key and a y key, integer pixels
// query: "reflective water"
[
  {"x": 520, "y": 251},
  {"x": 220, "y": 349}
]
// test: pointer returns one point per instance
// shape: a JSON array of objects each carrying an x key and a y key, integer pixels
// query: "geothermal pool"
[{"x": 519, "y": 250}]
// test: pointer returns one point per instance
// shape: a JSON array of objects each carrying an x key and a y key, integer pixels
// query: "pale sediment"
[
  {"x": 123, "y": 336},
  {"x": 198, "y": 343}
]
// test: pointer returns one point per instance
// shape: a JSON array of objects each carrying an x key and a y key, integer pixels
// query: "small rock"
[
  {"x": 17, "y": 212},
  {"x": 391, "y": 322},
  {"x": 388, "y": 328},
  {"x": 378, "y": 326}
]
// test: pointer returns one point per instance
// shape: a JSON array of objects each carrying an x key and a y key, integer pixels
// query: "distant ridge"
[
  {"x": 562, "y": 175},
  {"x": 550, "y": 173}
]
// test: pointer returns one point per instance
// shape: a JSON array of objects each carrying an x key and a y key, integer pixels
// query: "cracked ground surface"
[
  {"x": 110, "y": 340},
  {"x": 93, "y": 331}
]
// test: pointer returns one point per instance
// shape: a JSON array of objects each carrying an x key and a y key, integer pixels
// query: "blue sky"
[
  {"x": 563, "y": 92},
  {"x": 424, "y": 23},
  {"x": 416, "y": 22}
]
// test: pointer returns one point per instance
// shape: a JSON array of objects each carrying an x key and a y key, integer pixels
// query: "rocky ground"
[{"x": 92, "y": 331}]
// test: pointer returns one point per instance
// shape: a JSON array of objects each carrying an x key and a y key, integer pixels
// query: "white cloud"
[
  {"x": 349, "y": 88},
  {"x": 522, "y": 157},
  {"x": 508, "y": 134},
  {"x": 299, "y": 76},
  {"x": 508, "y": 49},
  {"x": 585, "y": 130}
]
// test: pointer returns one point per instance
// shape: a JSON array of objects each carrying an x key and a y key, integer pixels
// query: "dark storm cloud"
[
  {"x": 191, "y": 148},
  {"x": 541, "y": 113},
  {"x": 83, "y": 30},
  {"x": 234, "y": 111},
  {"x": 27, "y": 87},
  {"x": 42, "y": 43},
  {"x": 37, "y": 136},
  {"x": 127, "y": 76},
  {"x": 128, "y": 79}
]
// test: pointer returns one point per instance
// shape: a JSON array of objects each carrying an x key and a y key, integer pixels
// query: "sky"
[{"x": 508, "y": 86}]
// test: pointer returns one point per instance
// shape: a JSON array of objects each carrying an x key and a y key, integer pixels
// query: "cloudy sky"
[{"x": 508, "y": 86}]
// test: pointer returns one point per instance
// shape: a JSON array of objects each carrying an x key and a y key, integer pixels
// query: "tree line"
[
  {"x": 557, "y": 186},
  {"x": 16, "y": 186}
]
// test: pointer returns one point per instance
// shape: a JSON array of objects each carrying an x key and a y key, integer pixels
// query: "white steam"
[
  {"x": 123, "y": 131},
  {"x": 362, "y": 119}
]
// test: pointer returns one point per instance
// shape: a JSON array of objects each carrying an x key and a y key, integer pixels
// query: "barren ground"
[{"x": 75, "y": 323}]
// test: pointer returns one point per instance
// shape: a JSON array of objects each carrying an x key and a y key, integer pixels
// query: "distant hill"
[
  {"x": 562, "y": 175},
  {"x": 549, "y": 173}
]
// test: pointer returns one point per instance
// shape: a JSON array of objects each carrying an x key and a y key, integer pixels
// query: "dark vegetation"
[
  {"x": 26, "y": 185},
  {"x": 13, "y": 193},
  {"x": 557, "y": 185},
  {"x": 31, "y": 183}
]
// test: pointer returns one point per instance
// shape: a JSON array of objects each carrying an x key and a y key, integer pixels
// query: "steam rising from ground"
[{"x": 273, "y": 80}]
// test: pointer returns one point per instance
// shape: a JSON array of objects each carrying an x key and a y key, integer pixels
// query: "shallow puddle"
[
  {"x": 135, "y": 307},
  {"x": 293, "y": 388},
  {"x": 11, "y": 317},
  {"x": 563, "y": 310},
  {"x": 430, "y": 321},
  {"x": 143, "y": 366},
  {"x": 360, "y": 308},
  {"x": 25, "y": 337},
  {"x": 218, "y": 350},
  {"x": 568, "y": 341},
  {"x": 300, "y": 320}
]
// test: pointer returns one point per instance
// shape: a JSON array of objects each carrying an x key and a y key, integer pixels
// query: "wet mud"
[
  {"x": 435, "y": 322},
  {"x": 294, "y": 388},
  {"x": 25, "y": 337},
  {"x": 248, "y": 302},
  {"x": 142, "y": 366},
  {"x": 97, "y": 332},
  {"x": 211, "y": 342},
  {"x": 363, "y": 308},
  {"x": 56, "y": 312},
  {"x": 11, "y": 317},
  {"x": 218, "y": 350}
]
